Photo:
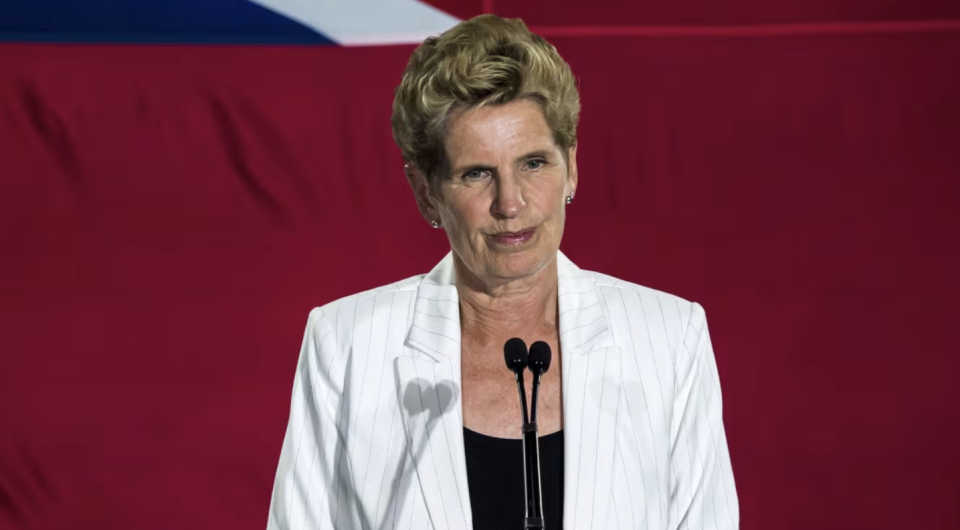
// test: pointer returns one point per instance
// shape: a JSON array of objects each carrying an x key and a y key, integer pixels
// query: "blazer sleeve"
[
  {"x": 307, "y": 488},
  {"x": 702, "y": 492}
]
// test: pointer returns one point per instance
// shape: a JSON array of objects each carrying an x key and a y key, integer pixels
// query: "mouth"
[{"x": 515, "y": 238}]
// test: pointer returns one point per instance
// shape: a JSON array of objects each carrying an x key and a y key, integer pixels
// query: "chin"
[{"x": 519, "y": 264}]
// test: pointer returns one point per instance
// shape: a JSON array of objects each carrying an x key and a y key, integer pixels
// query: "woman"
[{"x": 403, "y": 412}]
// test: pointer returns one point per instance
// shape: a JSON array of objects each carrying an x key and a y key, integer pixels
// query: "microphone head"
[
  {"x": 539, "y": 358},
  {"x": 515, "y": 354}
]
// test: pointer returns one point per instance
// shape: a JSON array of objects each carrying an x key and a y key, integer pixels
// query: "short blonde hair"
[{"x": 486, "y": 60}]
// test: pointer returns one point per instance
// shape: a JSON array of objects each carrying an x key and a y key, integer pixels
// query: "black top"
[{"x": 495, "y": 480}]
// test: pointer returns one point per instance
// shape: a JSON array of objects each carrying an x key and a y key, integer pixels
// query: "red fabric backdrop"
[{"x": 169, "y": 215}]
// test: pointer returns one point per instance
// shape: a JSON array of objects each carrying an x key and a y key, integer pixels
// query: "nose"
[{"x": 509, "y": 201}]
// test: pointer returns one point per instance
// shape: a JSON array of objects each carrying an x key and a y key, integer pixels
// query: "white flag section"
[{"x": 366, "y": 22}]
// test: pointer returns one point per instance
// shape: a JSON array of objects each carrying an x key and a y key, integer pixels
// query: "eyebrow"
[{"x": 539, "y": 153}]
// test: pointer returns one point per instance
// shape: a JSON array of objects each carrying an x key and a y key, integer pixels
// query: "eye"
[
  {"x": 475, "y": 174},
  {"x": 535, "y": 164}
]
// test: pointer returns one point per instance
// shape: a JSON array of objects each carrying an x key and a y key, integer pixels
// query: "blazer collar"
[
  {"x": 435, "y": 327},
  {"x": 584, "y": 322}
]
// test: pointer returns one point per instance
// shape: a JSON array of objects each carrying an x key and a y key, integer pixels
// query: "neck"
[{"x": 516, "y": 307}]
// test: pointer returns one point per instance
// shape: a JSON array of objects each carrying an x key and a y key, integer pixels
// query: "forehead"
[{"x": 497, "y": 131}]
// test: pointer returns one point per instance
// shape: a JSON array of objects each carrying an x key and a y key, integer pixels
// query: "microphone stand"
[{"x": 531, "y": 462}]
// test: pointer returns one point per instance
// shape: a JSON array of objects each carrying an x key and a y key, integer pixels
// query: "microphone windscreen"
[
  {"x": 515, "y": 354},
  {"x": 539, "y": 358}
]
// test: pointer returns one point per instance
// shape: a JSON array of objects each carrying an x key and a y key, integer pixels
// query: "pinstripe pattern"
[{"x": 375, "y": 436}]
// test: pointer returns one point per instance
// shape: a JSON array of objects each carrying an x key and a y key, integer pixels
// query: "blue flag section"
[
  {"x": 139, "y": 21},
  {"x": 220, "y": 21}
]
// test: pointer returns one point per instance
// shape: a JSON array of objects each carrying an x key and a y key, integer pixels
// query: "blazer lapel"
[
  {"x": 428, "y": 379},
  {"x": 591, "y": 393}
]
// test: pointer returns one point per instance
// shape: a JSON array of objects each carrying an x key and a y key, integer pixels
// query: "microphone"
[
  {"x": 515, "y": 354},
  {"x": 538, "y": 360}
]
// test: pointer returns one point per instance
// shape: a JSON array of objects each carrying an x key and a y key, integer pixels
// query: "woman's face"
[{"x": 501, "y": 198}]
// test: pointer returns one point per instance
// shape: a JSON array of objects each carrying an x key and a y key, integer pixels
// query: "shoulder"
[
  {"x": 641, "y": 305},
  {"x": 640, "y": 297},
  {"x": 343, "y": 316}
]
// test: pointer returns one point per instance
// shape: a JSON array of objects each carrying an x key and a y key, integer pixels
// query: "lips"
[
  {"x": 514, "y": 234},
  {"x": 515, "y": 238}
]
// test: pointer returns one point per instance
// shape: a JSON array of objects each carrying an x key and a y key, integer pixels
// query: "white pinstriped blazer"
[{"x": 375, "y": 436}]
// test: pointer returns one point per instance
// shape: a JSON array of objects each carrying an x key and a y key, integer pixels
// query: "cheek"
[
  {"x": 552, "y": 198},
  {"x": 470, "y": 215}
]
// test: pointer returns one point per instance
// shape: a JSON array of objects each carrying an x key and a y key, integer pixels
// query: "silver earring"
[
  {"x": 435, "y": 224},
  {"x": 569, "y": 199}
]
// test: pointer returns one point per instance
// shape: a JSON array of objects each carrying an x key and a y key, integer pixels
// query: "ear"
[
  {"x": 572, "y": 176},
  {"x": 421, "y": 192}
]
